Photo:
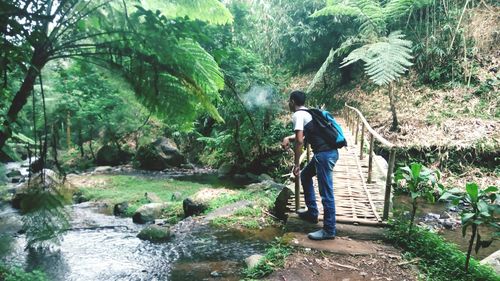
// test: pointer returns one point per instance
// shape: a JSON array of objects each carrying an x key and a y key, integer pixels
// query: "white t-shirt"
[{"x": 300, "y": 118}]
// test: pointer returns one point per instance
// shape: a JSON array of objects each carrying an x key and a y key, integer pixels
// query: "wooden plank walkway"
[{"x": 356, "y": 201}]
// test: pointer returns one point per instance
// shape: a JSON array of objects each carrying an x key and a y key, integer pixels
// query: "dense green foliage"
[
  {"x": 482, "y": 209},
  {"x": 421, "y": 183},
  {"x": 16, "y": 274},
  {"x": 440, "y": 260}
]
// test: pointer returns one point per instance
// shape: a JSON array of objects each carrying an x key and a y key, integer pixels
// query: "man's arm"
[
  {"x": 299, "y": 143},
  {"x": 285, "y": 144}
]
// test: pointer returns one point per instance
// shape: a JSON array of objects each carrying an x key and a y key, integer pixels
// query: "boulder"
[
  {"x": 50, "y": 179},
  {"x": 14, "y": 174},
  {"x": 159, "y": 155},
  {"x": 120, "y": 209},
  {"x": 266, "y": 185},
  {"x": 199, "y": 202},
  {"x": 79, "y": 197},
  {"x": 152, "y": 197},
  {"x": 224, "y": 170},
  {"x": 192, "y": 208},
  {"x": 493, "y": 260},
  {"x": 102, "y": 169},
  {"x": 155, "y": 233},
  {"x": 176, "y": 196},
  {"x": 188, "y": 166},
  {"x": 148, "y": 213},
  {"x": 109, "y": 155},
  {"x": 280, "y": 205},
  {"x": 264, "y": 177},
  {"x": 253, "y": 260}
]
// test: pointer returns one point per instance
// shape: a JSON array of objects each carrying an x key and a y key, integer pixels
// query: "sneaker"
[
  {"x": 320, "y": 235},
  {"x": 306, "y": 216}
]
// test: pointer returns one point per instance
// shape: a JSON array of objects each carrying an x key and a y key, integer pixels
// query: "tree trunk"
[
  {"x": 68, "y": 130},
  {"x": 37, "y": 63},
  {"x": 392, "y": 101},
  {"x": 91, "y": 149}
]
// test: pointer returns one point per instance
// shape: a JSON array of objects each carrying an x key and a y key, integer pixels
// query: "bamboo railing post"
[
  {"x": 297, "y": 192},
  {"x": 370, "y": 159},
  {"x": 362, "y": 141},
  {"x": 357, "y": 129},
  {"x": 388, "y": 184}
]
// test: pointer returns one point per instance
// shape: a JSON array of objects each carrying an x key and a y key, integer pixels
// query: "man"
[{"x": 321, "y": 165}]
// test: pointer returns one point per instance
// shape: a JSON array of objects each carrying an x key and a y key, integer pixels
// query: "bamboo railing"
[{"x": 354, "y": 118}]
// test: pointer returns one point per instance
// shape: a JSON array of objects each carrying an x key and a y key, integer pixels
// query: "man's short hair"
[{"x": 298, "y": 97}]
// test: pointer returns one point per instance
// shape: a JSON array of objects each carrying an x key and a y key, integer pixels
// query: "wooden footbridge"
[{"x": 362, "y": 182}]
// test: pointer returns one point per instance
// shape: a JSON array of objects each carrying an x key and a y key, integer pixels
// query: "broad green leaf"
[
  {"x": 491, "y": 189},
  {"x": 473, "y": 191},
  {"x": 467, "y": 217}
]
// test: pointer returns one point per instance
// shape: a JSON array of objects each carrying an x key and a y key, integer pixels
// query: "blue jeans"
[{"x": 321, "y": 165}]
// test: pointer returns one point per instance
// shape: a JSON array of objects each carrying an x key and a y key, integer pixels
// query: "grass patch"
[
  {"x": 119, "y": 188},
  {"x": 274, "y": 258},
  {"x": 17, "y": 274},
  {"x": 440, "y": 260},
  {"x": 249, "y": 217}
]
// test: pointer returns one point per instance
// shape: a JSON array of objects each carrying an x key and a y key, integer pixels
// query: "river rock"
[
  {"x": 188, "y": 166},
  {"x": 493, "y": 260},
  {"x": 14, "y": 174},
  {"x": 120, "y": 209},
  {"x": 176, "y": 196},
  {"x": 253, "y": 260},
  {"x": 148, "y": 213},
  {"x": 265, "y": 177},
  {"x": 280, "y": 205},
  {"x": 152, "y": 197},
  {"x": 159, "y": 155},
  {"x": 265, "y": 185},
  {"x": 155, "y": 233},
  {"x": 103, "y": 169},
  {"x": 192, "y": 208},
  {"x": 109, "y": 155},
  {"x": 224, "y": 170},
  {"x": 50, "y": 180},
  {"x": 199, "y": 202}
]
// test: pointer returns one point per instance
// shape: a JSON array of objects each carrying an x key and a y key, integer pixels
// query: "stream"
[{"x": 100, "y": 246}]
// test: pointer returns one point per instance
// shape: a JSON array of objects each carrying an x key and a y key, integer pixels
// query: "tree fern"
[
  {"x": 395, "y": 9},
  {"x": 385, "y": 60},
  {"x": 211, "y": 11}
]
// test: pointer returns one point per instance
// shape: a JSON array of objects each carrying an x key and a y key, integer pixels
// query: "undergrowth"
[
  {"x": 274, "y": 258},
  {"x": 439, "y": 260}
]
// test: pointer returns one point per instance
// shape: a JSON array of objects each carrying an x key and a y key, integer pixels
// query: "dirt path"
[{"x": 324, "y": 266}]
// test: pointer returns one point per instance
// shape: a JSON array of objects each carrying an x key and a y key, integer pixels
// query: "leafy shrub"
[{"x": 440, "y": 260}]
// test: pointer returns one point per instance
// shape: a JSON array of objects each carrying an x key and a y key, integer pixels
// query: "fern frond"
[
  {"x": 338, "y": 10},
  {"x": 385, "y": 60},
  {"x": 211, "y": 11},
  {"x": 368, "y": 13},
  {"x": 395, "y": 9}
]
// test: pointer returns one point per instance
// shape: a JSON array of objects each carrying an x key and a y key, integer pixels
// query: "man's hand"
[
  {"x": 296, "y": 170},
  {"x": 285, "y": 144}
]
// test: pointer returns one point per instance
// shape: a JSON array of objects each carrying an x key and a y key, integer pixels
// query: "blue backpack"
[{"x": 328, "y": 127}]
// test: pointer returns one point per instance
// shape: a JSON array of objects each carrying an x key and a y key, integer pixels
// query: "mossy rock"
[{"x": 155, "y": 233}]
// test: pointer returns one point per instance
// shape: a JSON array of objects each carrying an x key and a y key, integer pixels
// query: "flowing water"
[
  {"x": 100, "y": 246},
  {"x": 103, "y": 247}
]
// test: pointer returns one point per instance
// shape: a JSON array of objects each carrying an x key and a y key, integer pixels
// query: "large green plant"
[
  {"x": 481, "y": 209},
  {"x": 170, "y": 71},
  {"x": 421, "y": 182},
  {"x": 385, "y": 53}
]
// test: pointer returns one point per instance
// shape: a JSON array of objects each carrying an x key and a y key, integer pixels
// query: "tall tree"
[
  {"x": 168, "y": 69},
  {"x": 386, "y": 54}
]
